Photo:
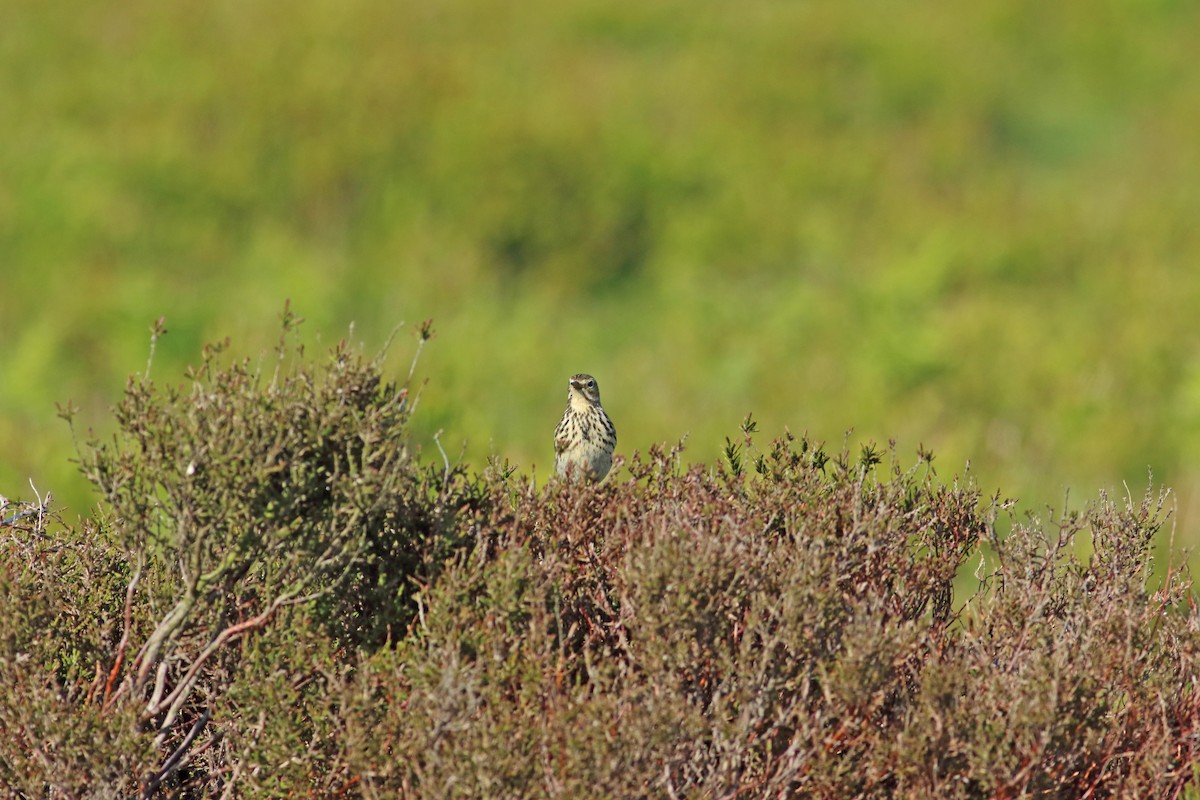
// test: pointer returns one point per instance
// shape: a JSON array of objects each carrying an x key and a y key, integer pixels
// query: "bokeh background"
[{"x": 973, "y": 227}]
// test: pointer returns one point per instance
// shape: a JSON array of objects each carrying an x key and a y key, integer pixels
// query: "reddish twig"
[{"x": 109, "y": 696}]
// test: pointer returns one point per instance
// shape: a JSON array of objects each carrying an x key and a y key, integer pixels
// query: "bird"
[{"x": 585, "y": 437}]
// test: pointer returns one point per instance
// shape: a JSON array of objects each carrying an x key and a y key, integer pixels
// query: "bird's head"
[{"x": 584, "y": 388}]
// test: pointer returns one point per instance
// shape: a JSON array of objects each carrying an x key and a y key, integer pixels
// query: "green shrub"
[
  {"x": 280, "y": 599},
  {"x": 245, "y": 494}
]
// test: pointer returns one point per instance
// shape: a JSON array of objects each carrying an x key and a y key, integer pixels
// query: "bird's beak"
[{"x": 576, "y": 385}]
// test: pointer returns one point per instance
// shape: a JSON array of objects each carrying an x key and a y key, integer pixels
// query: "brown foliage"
[{"x": 280, "y": 601}]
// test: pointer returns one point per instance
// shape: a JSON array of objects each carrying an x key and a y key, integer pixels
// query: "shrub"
[
  {"x": 281, "y": 600},
  {"x": 246, "y": 494},
  {"x": 701, "y": 633}
]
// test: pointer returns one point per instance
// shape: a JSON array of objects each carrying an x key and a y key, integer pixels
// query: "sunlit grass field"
[{"x": 970, "y": 228}]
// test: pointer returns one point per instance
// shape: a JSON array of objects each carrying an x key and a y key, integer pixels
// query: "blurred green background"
[{"x": 974, "y": 227}]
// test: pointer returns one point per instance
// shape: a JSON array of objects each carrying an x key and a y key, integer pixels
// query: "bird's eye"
[{"x": 591, "y": 384}]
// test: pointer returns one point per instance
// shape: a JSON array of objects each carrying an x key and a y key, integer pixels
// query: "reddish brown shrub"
[{"x": 282, "y": 602}]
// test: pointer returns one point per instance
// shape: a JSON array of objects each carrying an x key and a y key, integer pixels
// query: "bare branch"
[{"x": 174, "y": 760}]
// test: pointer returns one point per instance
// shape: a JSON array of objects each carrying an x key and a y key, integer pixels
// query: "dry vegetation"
[{"x": 278, "y": 599}]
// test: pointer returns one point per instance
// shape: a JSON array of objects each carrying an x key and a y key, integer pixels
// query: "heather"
[{"x": 277, "y": 597}]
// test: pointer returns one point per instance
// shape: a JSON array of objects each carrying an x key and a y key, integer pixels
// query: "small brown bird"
[{"x": 585, "y": 437}]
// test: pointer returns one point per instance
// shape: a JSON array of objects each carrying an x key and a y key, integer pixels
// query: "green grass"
[{"x": 972, "y": 229}]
